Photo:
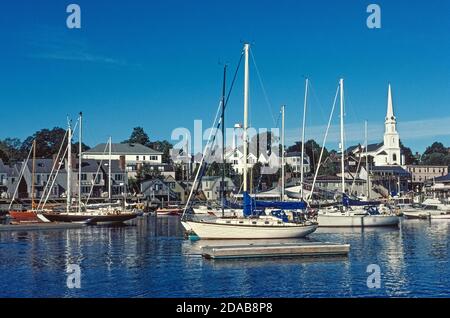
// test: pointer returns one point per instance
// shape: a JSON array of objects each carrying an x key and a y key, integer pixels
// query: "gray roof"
[
  {"x": 396, "y": 170},
  {"x": 115, "y": 166},
  {"x": 295, "y": 154},
  {"x": 3, "y": 168},
  {"x": 41, "y": 165},
  {"x": 370, "y": 148},
  {"x": 88, "y": 165},
  {"x": 123, "y": 149}
]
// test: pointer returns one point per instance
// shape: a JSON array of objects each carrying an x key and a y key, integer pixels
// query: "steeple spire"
[{"x": 390, "y": 108}]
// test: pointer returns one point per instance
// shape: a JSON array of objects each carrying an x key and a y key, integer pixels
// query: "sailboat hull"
[
  {"x": 329, "y": 220},
  {"x": 90, "y": 218},
  {"x": 24, "y": 216},
  {"x": 206, "y": 230}
]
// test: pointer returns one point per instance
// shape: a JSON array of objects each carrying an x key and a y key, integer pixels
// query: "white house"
[
  {"x": 294, "y": 159},
  {"x": 134, "y": 155}
]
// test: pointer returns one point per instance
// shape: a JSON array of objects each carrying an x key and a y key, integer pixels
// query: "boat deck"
[
  {"x": 39, "y": 226},
  {"x": 275, "y": 250}
]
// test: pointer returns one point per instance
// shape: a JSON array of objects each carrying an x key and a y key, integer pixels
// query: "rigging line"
[
  {"x": 316, "y": 97},
  {"x": 53, "y": 169},
  {"x": 205, "y": 151},
  {"x": 323, "y": 145},
  {"x": 22, "y": 171},
  {"x": 225, "y": 104},
  {"x": 54, "y": 179},
  {"x": 266, "y": 97},
  {"x": 96, "y": 176},
  {"x": 234, "y": 79}
]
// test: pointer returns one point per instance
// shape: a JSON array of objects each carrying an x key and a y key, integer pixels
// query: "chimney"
[{"x": 122, "y": 162}]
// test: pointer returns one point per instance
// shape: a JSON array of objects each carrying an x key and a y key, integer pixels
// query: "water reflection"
[{"x": 149, "y": 258}]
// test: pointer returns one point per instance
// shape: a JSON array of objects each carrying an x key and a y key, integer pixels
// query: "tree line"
[{"x": 48, "y": 142}]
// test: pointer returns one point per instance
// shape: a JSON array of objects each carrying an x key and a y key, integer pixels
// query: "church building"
[{"x": 386, "y": 153}]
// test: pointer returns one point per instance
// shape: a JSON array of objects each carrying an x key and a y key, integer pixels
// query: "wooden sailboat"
[
  {"x": 249, "y": 226},
  {"x": 103, "y": 215}
]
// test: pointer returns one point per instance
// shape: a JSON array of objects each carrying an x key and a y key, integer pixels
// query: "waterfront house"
[
  {"x": 421, "y": 174},
  {"x": 133, "y": 155},
  {"x": 177, "y": 187},
  {"x": 294, "y": 160},
  {"x": 440, "y": 186},
  {"x": 4, "y": 172},
  {"x": 158, "y": 190},
  {"x": 92, "y": 179},
  {"x": 210, "y": 187}
]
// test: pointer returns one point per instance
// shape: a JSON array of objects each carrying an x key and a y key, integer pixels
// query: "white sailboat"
[
  {"x": 262, "y": 227},
  {"x": 347, "y": 216}
]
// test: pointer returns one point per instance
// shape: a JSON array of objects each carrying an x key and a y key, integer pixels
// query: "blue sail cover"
[
  {"x": 248, "y": 210},
  {"x": 250, "y": 204},
  {"x": 346, "y": 201}
]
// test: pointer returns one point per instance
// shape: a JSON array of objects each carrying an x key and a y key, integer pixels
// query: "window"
[
  {"x": 83, "y": 177},
  {"x": 394, "y": 157},
  {"x": 137, "y": 158},
  {"x": 143, "y": 158},
  {"x": 118, "y": 177},
  {"x": 154, "y": 158}
]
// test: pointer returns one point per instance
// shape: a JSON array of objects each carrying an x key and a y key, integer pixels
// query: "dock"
[
  {"x": 275, "y": 250},
  {"x": 39, "y": 226}
]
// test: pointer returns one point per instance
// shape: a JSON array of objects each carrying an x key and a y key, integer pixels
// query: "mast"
[
  {"x": 69, "y": 168},
  {"x": 303, "y": 139},
  {"x": 33, "y": 176},
  {"x": 246, "y": 78},
  {"x": 367, "y": 162},
  {"x": 222, "y": 185},
  {"x": 80, "y": 149},
  {"x": 109, "y": 172},
  {"x": 282, "y": 154},
  {"x": 341, "y": 85}
]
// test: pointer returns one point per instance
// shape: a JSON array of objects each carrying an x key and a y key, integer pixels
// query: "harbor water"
[{"x": 150, "y": 258}]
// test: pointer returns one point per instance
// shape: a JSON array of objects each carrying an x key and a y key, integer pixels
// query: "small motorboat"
[{"x": 169, "y": 211}]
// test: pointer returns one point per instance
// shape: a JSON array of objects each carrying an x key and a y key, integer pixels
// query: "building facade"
[
  {"x": 294, "y": 160},
  {"x": 421, "y": 174},
  {"x": 133, "y": 155}
]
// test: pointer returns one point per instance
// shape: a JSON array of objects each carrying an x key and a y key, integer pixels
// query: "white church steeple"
[{"x": 391, "y": 137}]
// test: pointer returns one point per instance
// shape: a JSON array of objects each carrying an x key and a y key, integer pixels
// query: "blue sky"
[{"x": 156, "y": 64}]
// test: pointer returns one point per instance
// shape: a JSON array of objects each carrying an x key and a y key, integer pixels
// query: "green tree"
[
  {"x": 10, "y": 147},
  {"x": 3, "y": 156},
  {"x": 436, "y": 147},
  {"x": 436, "y": 154},
  {"x": 164, "y": 147},
  {"x": 409, "y": 156},
  {"x": 48, "y": 142},
  {"x": 76, "y": 148},
  {"x": 138, "y": 136}
]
